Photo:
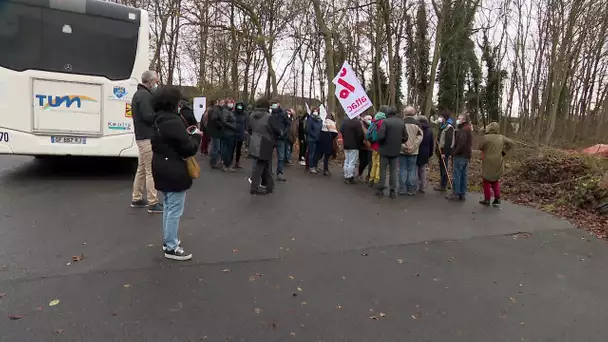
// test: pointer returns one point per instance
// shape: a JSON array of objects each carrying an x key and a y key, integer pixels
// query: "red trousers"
[
  {"x": 205, "y": 144},
  {"x": 488, "y": 187}
]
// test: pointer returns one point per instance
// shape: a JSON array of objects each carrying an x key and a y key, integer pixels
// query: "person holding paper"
[
  {"x": 325, "y": 144},
  {"x": 352, "y": 135}
]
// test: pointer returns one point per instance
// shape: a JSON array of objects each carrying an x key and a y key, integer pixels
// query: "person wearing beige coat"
[{"x": 408, "y": 170}]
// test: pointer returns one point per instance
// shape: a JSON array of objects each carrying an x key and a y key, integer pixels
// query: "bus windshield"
[{"x": 46, "y": 39}]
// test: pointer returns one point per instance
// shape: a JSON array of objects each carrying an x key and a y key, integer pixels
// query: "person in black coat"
[
  {"x": 391, "y": 135},
  {"x": 281, "y": 124},
  {"x": 241, "y": 118},
  {"x": 214, "y": 129},
  {"x": 172, "y": 142},
  {"x": 303, "y": 144},
  {"x": 230, "y": 135},
  {"x": 261, "y": 147},
  {"x": 427, "y": 148}
]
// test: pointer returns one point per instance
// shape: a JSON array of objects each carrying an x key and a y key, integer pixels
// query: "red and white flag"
[{"x": 350, "y": 93}]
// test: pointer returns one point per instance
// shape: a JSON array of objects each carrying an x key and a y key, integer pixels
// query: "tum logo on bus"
[{"x": 50, "y": 101}]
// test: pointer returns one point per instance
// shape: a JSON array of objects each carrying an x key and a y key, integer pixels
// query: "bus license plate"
[{"x": 68, "y": 140}]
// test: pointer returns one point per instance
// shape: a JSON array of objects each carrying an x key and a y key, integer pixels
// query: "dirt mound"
[{"x": 570, "y": 185}]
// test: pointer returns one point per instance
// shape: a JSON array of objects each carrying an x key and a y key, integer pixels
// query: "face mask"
[
  {"x": 440, "y": 119},
  {"x": 458, "y": 122},
  {"x": 230, "y": 105},
  {"x": 155, "y": 86},
  {"x": 315, "y": 113},
  {"x": 274, "y": 106},
  {"x": 239, "y": 107}
]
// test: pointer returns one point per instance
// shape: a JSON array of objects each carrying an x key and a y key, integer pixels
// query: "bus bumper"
[{"x": 22, "y": 143}]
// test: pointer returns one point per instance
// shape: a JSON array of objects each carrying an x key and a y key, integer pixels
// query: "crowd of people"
[{"x": 167, "y": 134}]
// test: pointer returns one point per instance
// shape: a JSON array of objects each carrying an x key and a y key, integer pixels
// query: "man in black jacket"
[
  {"x": 241, "y": 123},
  {"x": 143, "y": 120},
  {"x": 261, "y": 147},
  {"x": 281, "y": 125},
  {"x": 214, "y": 129},
  {"x": 391, "y": 135},
  {"x": 302, "y": 137},
  {"x": 352, "y": 137},
  {"x": 229, "y": 135}
]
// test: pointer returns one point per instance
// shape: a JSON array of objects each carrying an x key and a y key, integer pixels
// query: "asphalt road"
[{"x": 316, "y": 261}]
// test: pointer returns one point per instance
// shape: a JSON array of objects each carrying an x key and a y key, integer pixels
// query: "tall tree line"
[{"x": 537, "y": 66}]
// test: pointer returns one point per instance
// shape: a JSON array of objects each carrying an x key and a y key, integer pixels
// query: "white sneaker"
[
  {"x": 302, "y": 162},
  {"x": 178, "y": 254}
]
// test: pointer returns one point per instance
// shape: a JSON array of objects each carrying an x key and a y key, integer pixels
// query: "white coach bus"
[{"x": 68, "y": 71}]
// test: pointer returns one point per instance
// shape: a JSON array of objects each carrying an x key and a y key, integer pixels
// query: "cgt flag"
[{"x": 350, "y": 93}]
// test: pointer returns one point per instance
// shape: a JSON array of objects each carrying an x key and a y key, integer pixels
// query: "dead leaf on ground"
[
  {"x": 300, "y": 289},
  {"x": 400, "y": 261},
  {"x": 303, "y": 303},
  {"x": 339, "y": 307},
  {"x": 15, "y": 317},
  {"x": 76, "y": 258},
  {"x": 227, "y": 270},
  {"x": 114, "y": 313},
  {"x": 256, "y": 277},
  {"x": 58, "y": 331},
  {"x": 292, "y": 277},
  {"x": 512, "y": 300},
  {"x": 2, "y": 295},
  {"x": 416, "y": 316},
  {"x": 54, "y": 302},
  {"x": 364, "y": 254},
  {"x": 292, "y": 334},
  {"x": 150, "y": 245},
  {"x": 374, "y": 318},
  {"x": 382, "y": 314},
  {"x": 257, "y": 311},
  {"x": 235, "y": 250}
]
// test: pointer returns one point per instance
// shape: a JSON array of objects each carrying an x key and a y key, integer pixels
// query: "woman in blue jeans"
[{"x": 173, "y": 142}]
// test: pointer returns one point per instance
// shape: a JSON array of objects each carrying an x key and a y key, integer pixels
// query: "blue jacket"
[{"x": 313, "y": 129}]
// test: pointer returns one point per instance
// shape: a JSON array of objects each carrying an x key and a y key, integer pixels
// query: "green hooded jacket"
[{"x": 494, "y": 146}]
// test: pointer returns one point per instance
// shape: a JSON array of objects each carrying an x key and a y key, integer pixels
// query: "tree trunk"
[{"x": 329, "y": 55}]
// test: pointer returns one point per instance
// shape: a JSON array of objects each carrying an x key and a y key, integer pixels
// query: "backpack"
[{"x": 372, "y": 132}]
